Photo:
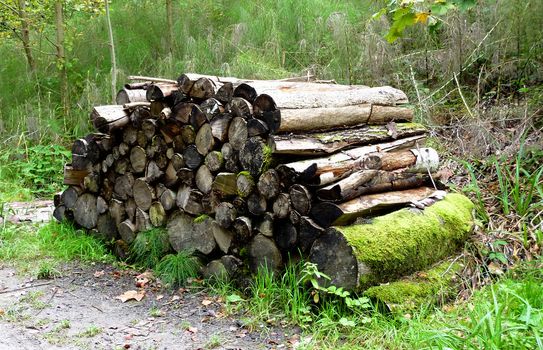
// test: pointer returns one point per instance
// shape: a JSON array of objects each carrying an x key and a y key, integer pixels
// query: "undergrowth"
[
  {"x": 40, "y": 249},
  {"x": 175, "y": 269}
]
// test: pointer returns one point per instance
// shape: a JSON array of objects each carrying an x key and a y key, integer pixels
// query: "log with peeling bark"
[
  {"x": 327, "y": 214},
  {"x": 321, "y": 171},
  {"x": 333, "y": 141},
  {"x": 109, "y": 118}
]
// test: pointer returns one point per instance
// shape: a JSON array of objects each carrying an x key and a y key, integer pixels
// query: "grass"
[
  {"x": 40, "y": 249},
  {"x": 175, "y": 269},
  {"x": 90, "y": 332},
  {"x": 505, "y": 315},
  {"x": 149, "y": 247}
]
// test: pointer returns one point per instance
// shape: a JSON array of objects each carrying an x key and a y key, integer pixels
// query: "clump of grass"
[
  {"x": 149, "y": 247},
  {"x": 175, "y": 269},
  {"x": 91, "y": 331},
  {"x": 48, "y": 269}
]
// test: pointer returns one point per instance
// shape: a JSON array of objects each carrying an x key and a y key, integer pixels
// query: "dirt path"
[{"x": 79, "y": 311}]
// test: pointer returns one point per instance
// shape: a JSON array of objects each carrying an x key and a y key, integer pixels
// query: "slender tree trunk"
[
  {"x": 169, "y": 18},
  {"x": 112, "y": 52},
  {"x": 25, "y": 36},
  {"x": 61, "y": 56}
]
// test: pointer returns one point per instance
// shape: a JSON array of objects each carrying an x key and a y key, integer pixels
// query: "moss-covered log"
[
  {"x": 393, "y": 245},
  {"x": 436, "y": 285}
]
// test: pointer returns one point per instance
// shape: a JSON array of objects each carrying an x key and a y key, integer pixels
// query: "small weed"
[
  {"x": 175, "y": 269},
  {"x": 64, "y": 324},
  {"x": 156, "y": 312},
  {"x": 185, "y": 325},
  {"x": 90, "y": 332},
  {"x": 214, "y": 341}
]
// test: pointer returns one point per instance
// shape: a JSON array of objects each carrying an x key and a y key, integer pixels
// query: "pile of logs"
[{"x": 253, "y": 169}]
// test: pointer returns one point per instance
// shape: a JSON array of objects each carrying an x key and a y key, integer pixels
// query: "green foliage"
[
  {"x": 37, "y": 168},
  {"x": 149, "y": 247},
  {"x": 407, "y": 13},
  {"x": 175, "y": 269}
]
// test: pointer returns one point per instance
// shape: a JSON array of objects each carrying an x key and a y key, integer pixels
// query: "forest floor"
[{"x": 81, "y": 310}]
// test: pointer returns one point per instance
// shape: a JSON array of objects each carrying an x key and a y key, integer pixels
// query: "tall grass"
[{"x": 490, "y": 48}]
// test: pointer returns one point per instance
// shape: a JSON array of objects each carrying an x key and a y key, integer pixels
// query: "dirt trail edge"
[{"x": 80, "y": 311}]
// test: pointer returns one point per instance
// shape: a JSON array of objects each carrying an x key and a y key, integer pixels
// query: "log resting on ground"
[{"x": 393, "y": 245}]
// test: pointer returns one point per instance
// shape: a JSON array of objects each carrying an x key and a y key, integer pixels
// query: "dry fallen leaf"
[
  {"x": 206, "y": 302},
  {"x": 141, "y": 282},
  {"x": 99, "y": 274},
  {"x": 193, "y": 330},
  {"x": 131, "y": 294},
  {"x": 159, "y": 297}
]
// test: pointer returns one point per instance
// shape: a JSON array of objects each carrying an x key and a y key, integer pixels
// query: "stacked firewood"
[{"x": 253, "y": 169}]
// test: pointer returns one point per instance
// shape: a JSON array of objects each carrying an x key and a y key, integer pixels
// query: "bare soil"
[{"x": 80, "y": 311}]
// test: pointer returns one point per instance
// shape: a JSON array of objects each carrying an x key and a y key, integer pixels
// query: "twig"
[
  {"x": 462, "y": 96},
  {"x": 49, "y": 300},
  {"x": 157, "y": 80},
  {"x": 23, "y": 288},
  {"x": 97, "y": 308}
]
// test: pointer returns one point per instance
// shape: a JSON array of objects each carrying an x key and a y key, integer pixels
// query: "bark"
[
  {"x": 125, "y": 96},
  {"x": 372, "y": 181},
  {"x": 333, "y": 141},
  {"x": 257, "y": 127},
  {"x": 25, "y": 36},
  {"x": 393, "y": 245},
  {"x": 327, "y": 214},
  {"x": 321, "y": 171},
  {"x": 246, "y": 92},
  {"x": 256, "y": 204},
  {"x": 109, "y": 118},
  {"x": 160, "y": 91},
  {"x": 311, "y": 119},
  {"x": 308, "y": 232}
]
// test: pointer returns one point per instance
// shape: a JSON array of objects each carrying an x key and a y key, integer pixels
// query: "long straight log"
[{"x": 333, "y": 141}]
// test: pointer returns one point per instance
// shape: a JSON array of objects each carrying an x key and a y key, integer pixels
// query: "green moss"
[
  {"x": 267, "y": 153},
  {"x": 201, "y": 218},
  {"x": 405, "y": 241},
  {"x": 435, "y": 285},
  {"x": 219, "y": 157}
]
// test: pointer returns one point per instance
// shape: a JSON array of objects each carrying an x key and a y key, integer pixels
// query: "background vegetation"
[{"x": 472, "y": 69}]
